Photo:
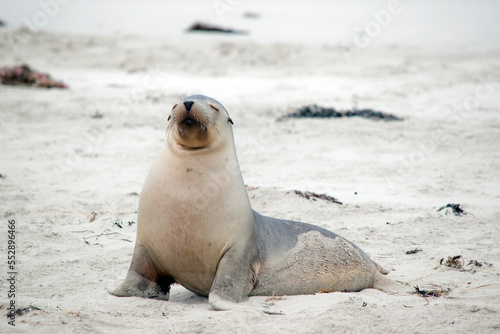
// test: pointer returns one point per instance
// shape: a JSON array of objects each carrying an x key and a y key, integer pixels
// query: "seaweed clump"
[
  {"x": 315, "y": 111},
  {"x": 24, "y": 75}
]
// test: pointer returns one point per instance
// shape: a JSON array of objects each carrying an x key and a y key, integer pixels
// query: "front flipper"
[
  {"x": 233, "y": 283},
  {"x": 142, "y": 278},
  {"x": 220, "y": 304}
]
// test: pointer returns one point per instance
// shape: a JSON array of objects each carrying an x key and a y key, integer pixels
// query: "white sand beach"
[{"x": 68, "y": 153}]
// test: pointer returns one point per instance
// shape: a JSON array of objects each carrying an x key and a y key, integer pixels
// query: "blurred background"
[{"x": 432, "y": 23}]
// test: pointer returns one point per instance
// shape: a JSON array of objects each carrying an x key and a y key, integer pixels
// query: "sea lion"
[{"x": 196, "y": 227}]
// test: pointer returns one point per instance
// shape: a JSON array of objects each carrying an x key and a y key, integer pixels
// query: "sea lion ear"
[
  {"x": 169, "y": 117},
  {"x": 230, "y": 120}
]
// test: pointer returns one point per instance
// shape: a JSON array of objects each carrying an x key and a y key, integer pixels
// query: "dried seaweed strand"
[{"x": 311, "y": 195}]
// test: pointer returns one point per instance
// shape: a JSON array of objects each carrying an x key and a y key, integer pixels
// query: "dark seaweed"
[{"x": 315, "y": 111}]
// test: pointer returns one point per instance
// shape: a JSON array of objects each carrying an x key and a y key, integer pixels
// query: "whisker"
[{"x": 173, "y": 120}]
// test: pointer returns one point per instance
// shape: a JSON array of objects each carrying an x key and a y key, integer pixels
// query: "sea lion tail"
[
  {"x": 382, "y": 283},
  {"x": 381, "y": 269}
]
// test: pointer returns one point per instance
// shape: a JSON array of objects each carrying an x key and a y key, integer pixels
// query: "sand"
[{"x": 68, "y": 153}]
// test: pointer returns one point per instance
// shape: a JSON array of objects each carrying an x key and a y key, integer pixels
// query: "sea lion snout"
[
  {"x": 191, "y": 115},
  {"x": 193, "y": 122},
  {"x": 188, "y": 105}
]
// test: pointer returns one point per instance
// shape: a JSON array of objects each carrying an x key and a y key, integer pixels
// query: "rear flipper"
[
  {"x": 382, "y": 283},
  {"x": 381, "y": 269},
  {"x": 142, "y": 278}
]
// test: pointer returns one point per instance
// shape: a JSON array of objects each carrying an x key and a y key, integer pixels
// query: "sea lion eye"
[
  {"x": 214, "y": 107},
  {"x": 175, "y": 105}
]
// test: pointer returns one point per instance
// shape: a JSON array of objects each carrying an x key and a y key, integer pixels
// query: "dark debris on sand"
[
  {"x": 211, "y": 28},
  {"x": 315, "y": 111},
  {"x": 475, "y": 263},
  {"x": 25, "y": 310},
  {"x": 458, "y": 262},
  {"x": 453, "y": 262},
  {"x": 24, "y": 75},
  {"x": 313, "y": 196},
  {"x": 414, "y": 251},
  {"x": 431, "y": 293},
  {"x": 455, "y": 209}
]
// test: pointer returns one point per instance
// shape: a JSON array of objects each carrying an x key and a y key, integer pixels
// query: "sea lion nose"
[{"x": 188, "y": 105}]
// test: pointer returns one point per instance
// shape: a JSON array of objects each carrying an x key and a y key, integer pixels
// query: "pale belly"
[
  {"x": 187, "y": 228},
  {"x": 186, "y": 254}
]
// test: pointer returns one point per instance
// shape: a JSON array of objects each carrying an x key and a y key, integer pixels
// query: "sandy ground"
[{"x": 59, "y": 164}]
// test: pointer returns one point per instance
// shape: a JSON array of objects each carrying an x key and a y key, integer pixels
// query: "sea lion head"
[{"x": 197, "y": 121}]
